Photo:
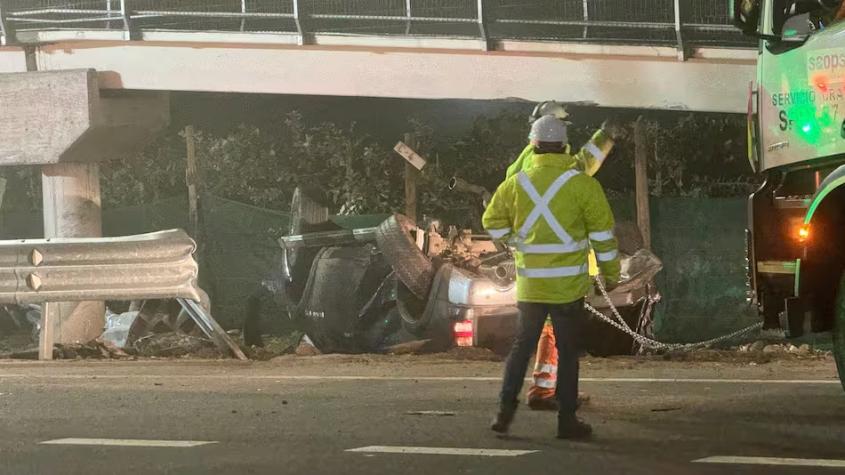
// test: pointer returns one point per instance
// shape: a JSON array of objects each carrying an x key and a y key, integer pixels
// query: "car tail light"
[{"x": 463, "y": 333}]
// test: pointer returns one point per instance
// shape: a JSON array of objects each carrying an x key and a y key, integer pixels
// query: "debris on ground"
[
  {"x": 757, "y": 352},
  {"x": 410, "y": 348},
  {"x": 117, "y": 327},
  {"x": 471, "y": 353},
  {"x": 169, "y": 345},
  {"x": 96, "y": 349},
  {"x": 307, "y": 348},
  {"x": 273, "y": 346}
]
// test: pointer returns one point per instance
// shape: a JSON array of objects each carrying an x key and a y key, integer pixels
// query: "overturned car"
[{"x": 364, "y": 288}]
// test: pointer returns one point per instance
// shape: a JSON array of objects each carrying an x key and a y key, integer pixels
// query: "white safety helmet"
[
  {"x": 549, "y": 129},
  {"x": 549, "y": 108}
]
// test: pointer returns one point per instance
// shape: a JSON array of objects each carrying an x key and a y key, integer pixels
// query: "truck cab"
[{"x": 796, "y": 134}]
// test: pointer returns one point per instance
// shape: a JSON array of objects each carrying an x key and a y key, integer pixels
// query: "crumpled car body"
[{"x": 366, "y": 289}]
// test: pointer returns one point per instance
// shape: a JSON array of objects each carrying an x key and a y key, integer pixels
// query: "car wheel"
[
  {"x": 411, "y": 309},
  {"x": 412, "y": 267},
  {"x": 839, "y": 330}
]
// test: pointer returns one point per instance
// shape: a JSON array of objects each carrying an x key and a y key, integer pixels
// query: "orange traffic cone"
[{"x": 541, "y": 394}]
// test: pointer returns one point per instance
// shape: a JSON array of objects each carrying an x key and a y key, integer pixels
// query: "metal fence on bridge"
[{"x": 681, "y": 23}]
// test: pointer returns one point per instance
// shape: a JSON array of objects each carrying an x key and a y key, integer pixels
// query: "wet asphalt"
[{"x": 297, "y": 416}]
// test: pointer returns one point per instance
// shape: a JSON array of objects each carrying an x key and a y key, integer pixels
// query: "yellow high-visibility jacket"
[
  {"x": 554, "y": 214},
  {"x": 589, "y": 160}
]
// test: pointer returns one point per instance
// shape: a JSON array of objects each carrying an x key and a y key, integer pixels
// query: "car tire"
[
  {"x": 629, "y": 237},
  {"x": 839, "y": 330},
  {"x": 412, "y": 267},
  {"x": 412, "y": 310}
]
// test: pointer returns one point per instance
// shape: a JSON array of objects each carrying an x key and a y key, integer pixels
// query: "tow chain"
[{"x": 646, "y": 342}]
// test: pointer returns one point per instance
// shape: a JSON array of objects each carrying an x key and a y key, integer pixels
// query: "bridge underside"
[{"x": 646, "y": 77}]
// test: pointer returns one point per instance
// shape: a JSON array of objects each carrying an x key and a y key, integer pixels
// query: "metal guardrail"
[
  {"x": 144, "y": 267},
  {"x": 681, "y": 23},
  {"x": 149, "y": 266}
]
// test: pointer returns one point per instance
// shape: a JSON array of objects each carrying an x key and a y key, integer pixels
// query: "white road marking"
[
  {"x": 129, "y": 442},
  {"x": 431, "y": 413},
  {"x": 384, "y": 449},
  {"x": 828, "y": 463},
  {"x": 322, "y": 378}
]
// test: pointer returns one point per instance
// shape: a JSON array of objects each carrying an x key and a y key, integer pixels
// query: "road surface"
[{"x": 423, "y": 415}]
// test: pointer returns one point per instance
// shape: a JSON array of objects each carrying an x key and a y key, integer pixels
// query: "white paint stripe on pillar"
[
  {"x": 790, "y": 462},
  {"x": 322, "y": 378},
  {"x": 130, "y": 442},
  {"x": 384, "y": 449}
]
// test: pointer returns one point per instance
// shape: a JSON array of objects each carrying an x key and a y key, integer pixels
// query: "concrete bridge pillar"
[{"x": 60, "y": 122}]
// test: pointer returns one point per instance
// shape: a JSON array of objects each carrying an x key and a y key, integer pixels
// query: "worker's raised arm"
[
  {"x": 498, "y": 217},
  {"x": 599, "y": 220},
  {"x": 591, "y": 156}
]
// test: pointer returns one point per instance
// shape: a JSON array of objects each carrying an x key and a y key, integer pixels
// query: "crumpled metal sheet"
[{"x": 147, "y": 266}]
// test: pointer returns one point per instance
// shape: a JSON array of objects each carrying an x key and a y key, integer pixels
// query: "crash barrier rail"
[
  {"x": 620, "y": 324},
  {"x": 650, "y": 22},
  {"x": 148, "y": 266}
]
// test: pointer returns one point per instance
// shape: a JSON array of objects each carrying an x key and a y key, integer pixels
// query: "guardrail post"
[
  {"x": 45, "y": 336},
  {"x": 7, "y": 33},
  {"x": 482, "y": 25},
  {"x": 682, "y": 56},
  {"x": 300, "y": 17}
]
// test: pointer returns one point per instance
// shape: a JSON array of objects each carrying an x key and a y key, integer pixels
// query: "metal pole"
[
  {"x": 126, "y": 13},
  {"x": 243, "y": 20},
  {"x": 411, "y": 175},
  {"x": 300, "y": 24},
  {"x": 586, "y": 9},
  {"x": 678, "y": 33},
  {"x": 409, "y": 16},
  {"x": 108, "y": 13},
  {"x": 482, "y": 25}
]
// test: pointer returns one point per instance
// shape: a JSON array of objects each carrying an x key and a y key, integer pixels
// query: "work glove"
[{"x": 614, "y": 129}]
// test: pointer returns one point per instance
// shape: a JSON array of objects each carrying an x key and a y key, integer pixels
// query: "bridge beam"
[{"x": 417, "y": 68}]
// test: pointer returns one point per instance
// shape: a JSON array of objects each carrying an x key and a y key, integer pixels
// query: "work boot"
[
  {"x": 570, "y": 427},
  {"x": 503, "y": 420},
  {"x": 545, "y": 404}
]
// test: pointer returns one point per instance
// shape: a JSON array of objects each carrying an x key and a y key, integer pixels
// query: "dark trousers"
[{"x": 568, "y": 320}]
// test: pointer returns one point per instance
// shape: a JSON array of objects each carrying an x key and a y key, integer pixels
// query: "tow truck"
[{"x": 796, "y": 132}]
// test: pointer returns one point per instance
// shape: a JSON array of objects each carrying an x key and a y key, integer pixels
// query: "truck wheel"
[
  {"x": 839, "y": 330},
  {"x": 412, "y": 267}
]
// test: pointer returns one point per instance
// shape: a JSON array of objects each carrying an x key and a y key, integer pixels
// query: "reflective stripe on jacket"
[
  {"x": 588, "y": 160},
  {"x": 554, "y": 214}
]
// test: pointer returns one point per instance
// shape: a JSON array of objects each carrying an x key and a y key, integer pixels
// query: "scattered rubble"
[
  {"x": 169, "y": 345},
  {"x": 757, "y": 352},
  {"x": 307, "y": 348},
  {"x": 273, "y": 346}
]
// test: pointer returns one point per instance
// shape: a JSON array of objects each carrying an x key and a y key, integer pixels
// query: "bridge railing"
[{"x": 682, "y": 23}]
